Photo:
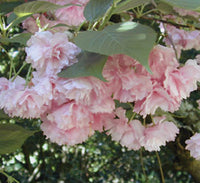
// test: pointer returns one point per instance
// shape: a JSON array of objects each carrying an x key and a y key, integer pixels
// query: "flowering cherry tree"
[{"x": 104, "y": 65}]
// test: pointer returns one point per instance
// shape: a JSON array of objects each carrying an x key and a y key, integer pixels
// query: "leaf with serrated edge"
[
  {"x": 96, "y": 8},
  {"x": 129, "y": 38},
  {"x": 89, "y": 64},
  {"x": 12, "y": 137}
]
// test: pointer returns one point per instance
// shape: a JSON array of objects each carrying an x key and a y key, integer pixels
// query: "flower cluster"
[
  {"x": 164, "y": 88},
  {"x": 134, "y": 135},
  {"x": 182, "y": 39},
  {"x": 178, "y": 38},
  {"x": 72, "y": 109}
]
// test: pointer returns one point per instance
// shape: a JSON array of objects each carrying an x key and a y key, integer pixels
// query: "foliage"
[{"x": 110, "y": 27}]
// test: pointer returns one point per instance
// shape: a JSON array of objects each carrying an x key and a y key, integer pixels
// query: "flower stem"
[
  {"x": 10, "y": 179},
  {"x": 142, "y": 164},
  {"x": 28, "y": 75},
  {"x": 24, "y": 64},
  {"x": 160, "y": 166},
  {"x": 152, "y": 120}
]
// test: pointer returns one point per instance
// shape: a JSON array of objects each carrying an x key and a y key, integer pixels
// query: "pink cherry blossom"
[
  {"x": 193, "y": 145},
  {"x": 72, "y": 123},
  {"x": 70, "y": 137},
  {"x": 24, "y": 101},
  {"x": 43, "y": 85},
  {"x": 4, "y": 84},
  {"x": 175, "y": 84},
  {"x": 160, "y": 59},
  {"x": 157, "y": 135},
  {"x": 158, "y": 97},
  {"x": 117, "y": 127},
  {"x": 88, "y": 91},
  {"x": 71, "y": 115},
  {"x": 101, "y": 120},
  {"x": 70, "y": 15},
  {"x": 132, "y": 136},
  {"x": 30, "y": 23},
  {"x": 182, "y": 39},
  {"x": 170, "y": 82},
  {"x": 128, "y": 134},
  {"x": 180, "y": 82},
  {"x": 191, "y": 73},
  {"x": 68, "y": 124},
  {"x": 49, "y": 53},
  {"x": 185, "y": 12},
  {"x": 198, "y": 59},
  {"x": 126, "y": 78}
]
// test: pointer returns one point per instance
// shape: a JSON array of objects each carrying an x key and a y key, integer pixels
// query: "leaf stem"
[
  {"x": 160, "y": 166},
  {"x": 152, "y": 120},
  {"x": 171, "y": 41},
  {"x": 168, "y": 22},
  {"x": 131, "y": 106},
  {"x": 132, "y": 117}
]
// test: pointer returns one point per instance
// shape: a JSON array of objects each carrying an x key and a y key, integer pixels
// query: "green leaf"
[
  {"x": 12, "y": 137},
  {"x": 96, "y": 9},
  {"x": 89, "y": 64},
  {"x": 129, "y": 38},
  {"x": 7, "y": 7},
  {"x": 11, "y": 18},
  {"x": 185, "y": 4},
  {"x": 3, "y": 115},
  {"x": 165, "y": 8},
  {"x": 35, "y": 7},
  {"x": 18, "y": 38},
  {"x": 14, "y": 20},
  {"x": 129, "y": 4},
  {"x": 123, "y": 105}
]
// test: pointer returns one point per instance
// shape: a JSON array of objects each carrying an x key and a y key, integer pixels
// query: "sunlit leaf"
[
  {"x": 90, "y": 64},
  {"x": 129, "y": 38},
  {"x": 14, "y": 20}
]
